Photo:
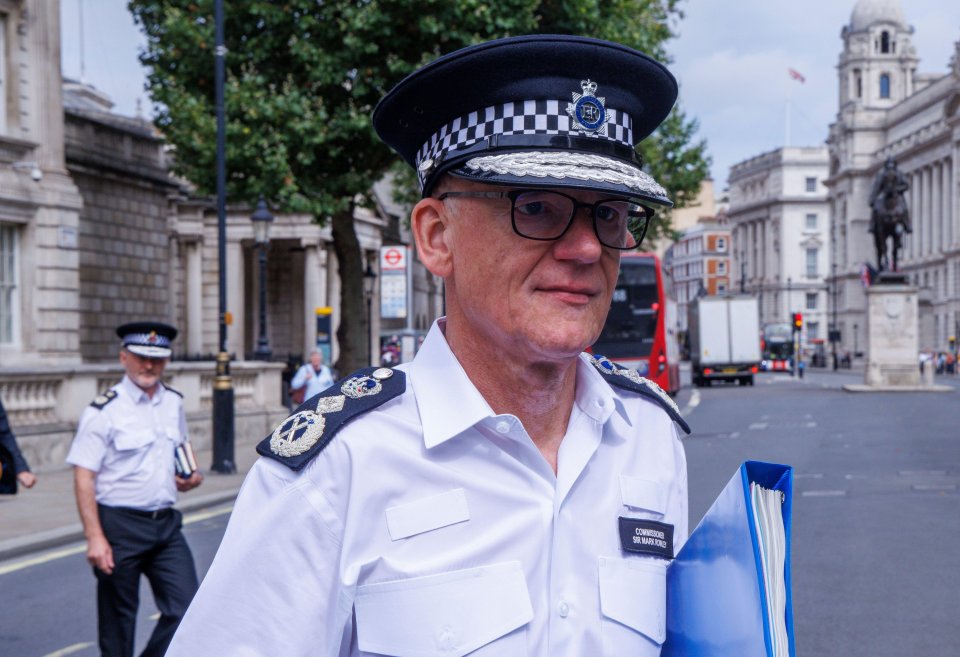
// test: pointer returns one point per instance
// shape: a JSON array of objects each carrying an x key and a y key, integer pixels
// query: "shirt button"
[
  {"x": 503, "y": 426},
  {"x": 563, "y": 609}
]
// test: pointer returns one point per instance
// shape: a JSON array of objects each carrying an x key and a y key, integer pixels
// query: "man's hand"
[
  {"x": 183, "y": 485},
  {"x": 100, "y": 554},
  {"x": 27, "y": 479}
]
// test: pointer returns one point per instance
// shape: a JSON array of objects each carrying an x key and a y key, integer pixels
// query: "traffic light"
[{"x": 797, "y": 321}]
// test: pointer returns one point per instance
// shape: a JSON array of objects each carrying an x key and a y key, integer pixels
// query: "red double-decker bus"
[{"x": 641, "y": 328}]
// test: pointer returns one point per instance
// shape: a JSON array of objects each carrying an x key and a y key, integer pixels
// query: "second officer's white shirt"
[
  {"x": 432, "y": 526},
  {"x": 130, "y": 444}
]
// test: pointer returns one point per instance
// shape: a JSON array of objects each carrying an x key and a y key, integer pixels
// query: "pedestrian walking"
[
  {"x": 504, "y": 492},
  {"x": 125, "y": 464},
  {"x": 13, "y": 467}
]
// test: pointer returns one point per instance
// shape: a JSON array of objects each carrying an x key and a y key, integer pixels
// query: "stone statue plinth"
[
  {"x": 892, "y": 336},
  {"x": 893, "y": 341}
]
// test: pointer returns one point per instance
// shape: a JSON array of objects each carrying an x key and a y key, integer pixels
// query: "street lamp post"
[
  {"x": 369, "y": 281},
  {"x": 834, "y": 335},
  {"x": 262, "y": 219},
  {"x": 223, "y": 396},
  {"x": 855, "y": 349}
]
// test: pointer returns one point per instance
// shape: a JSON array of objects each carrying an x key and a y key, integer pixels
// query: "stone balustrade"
[{"x": 44, "y": 406}]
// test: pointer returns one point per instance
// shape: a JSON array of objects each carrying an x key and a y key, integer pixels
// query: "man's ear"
[{"x": 428, "y": 222}]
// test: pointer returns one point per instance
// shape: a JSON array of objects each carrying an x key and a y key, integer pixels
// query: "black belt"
[{"x": 158, "y": 513}]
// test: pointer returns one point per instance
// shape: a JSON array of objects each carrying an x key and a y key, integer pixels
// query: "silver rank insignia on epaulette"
[
  {"x": 102, "y": 400},
  {"x": 587, "y": 110},
  {"x": 307, "y": 432},
  {"x": 363, "y": 386},
  {"x": 607, "y": 367}
]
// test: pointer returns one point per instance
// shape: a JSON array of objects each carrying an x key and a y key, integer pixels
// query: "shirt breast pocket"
[
  {"x": 633, "y": 601},
  {"x": 481, "y": 611},
  {"x": 129, "y": 441}
]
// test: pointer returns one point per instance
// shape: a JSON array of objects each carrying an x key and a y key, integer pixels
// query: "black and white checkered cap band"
[
  {"x": 146, "y": 340},
  {"x": 529, "y": 117}
]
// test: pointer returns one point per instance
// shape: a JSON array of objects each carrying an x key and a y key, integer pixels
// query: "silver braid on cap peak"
[{"x": 579, "y": 166}]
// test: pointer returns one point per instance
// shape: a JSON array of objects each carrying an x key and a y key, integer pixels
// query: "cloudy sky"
[{"x": 731, "y": 58}]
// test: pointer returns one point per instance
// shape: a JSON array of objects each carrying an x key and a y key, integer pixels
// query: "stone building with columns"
[
  {"x": 94, "y": 231},
  {"x": 778, "y": 216},
  {"x": 889, "y": 109}
]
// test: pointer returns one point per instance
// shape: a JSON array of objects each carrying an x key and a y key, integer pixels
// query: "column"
[
  {"x": 194, "y": 292},
  {"x": 236, "y": 335},
  {"x": 333, "y": 300},
  {"x": 936, "y": 208},
  {"x": 314, "y": 292},
  {"x": 914, "y": 216}
]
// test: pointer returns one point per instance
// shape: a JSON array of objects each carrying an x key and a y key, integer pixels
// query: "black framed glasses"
[{"x": 546, "y": 215}]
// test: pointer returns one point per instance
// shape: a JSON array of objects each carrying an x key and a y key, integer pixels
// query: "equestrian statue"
[{"x": 889, "y": 217}]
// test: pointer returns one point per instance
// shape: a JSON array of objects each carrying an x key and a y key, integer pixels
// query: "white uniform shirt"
[
  {"x": 130, "y": 444},
  {"x": 432, "y": 526},
  {"x": 316, "y": 383}
]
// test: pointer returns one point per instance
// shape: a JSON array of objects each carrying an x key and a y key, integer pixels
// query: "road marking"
[
  {"x": 808, "y": 475},
  {"x": 849, "y": 477},
  {"x": 811, "y": 425},
  {"x": 823, "y": 493},
  {"x": 693, "y": 403},
  {"x": 758, "y": 425},
  {"x": 69, "y": 650},
  {"x": 82, "y": 547},
  {"x": 735, "y": 434},
  {"x": 922, "y": 473},
  {"x": 926, "y": 487}
]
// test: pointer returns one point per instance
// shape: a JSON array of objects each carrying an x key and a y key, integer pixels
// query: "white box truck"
[{"x": 724, "y": 339}]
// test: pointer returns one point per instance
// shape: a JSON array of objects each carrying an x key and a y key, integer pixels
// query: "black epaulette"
[
  {"x": 176, "y": 392},
  {"x": 104, "y": 399},
  {"x": 303, "y": 435},
  {"x": 622, "y": 377}
]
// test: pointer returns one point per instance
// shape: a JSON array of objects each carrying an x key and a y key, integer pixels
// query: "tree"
[{"x": 302, "y": 80}]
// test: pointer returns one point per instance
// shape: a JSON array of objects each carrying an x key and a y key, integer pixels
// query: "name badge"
[{"x": 646, "y": 537}]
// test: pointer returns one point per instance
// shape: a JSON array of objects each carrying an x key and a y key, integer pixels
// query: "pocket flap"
[
  {"x": 446, "y": 615},
  {"x": 129, "y": 440},
  {"x": 427, "y": 513},
  {"x": 634, "y": 592},
  {"x": 643, "y": 494}
]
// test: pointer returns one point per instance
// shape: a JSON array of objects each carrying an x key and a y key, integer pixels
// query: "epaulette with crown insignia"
[
  {"x": 622, "y": 377},
  {"x": 303, "y": 435},
  {"x": 104, "y": 399}
]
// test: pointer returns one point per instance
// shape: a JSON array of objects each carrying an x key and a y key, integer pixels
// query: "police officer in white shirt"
[
  {"x": 484, "y": 498},
  {"x": 125, "y": 484}
]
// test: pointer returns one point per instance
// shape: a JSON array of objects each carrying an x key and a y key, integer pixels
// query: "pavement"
[{"x": 45, "y": 516}]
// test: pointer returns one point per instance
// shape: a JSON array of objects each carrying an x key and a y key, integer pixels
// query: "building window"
[
  {"x": 811, "y": 222},
  {"x": 722, "y": 244},
  {"x": 9, "y": 302},
  {"x": 721, "y": 267},
  {"x": 885, "y": 42},
  {"x": 811, "y": 300},
  {"x": 813, "y": 330},
  {"x": 721, "y": 288},
  {"x": 858, "y": 82},
  {"x": 884, "y": 85},
  {"x": 812, "y": 263},
  {"x": 811, "y": 184}
]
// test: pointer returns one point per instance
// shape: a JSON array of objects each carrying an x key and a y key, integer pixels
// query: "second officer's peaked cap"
[
  {"x": 147, "y": 339},
  {"x": 532, "y": 111}
]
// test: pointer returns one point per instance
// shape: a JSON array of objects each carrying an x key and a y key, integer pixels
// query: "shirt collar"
[{"x": 449, "y": 403}]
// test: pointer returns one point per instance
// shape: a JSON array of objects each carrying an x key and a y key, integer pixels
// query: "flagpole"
[{"x": 786, "y": 119}]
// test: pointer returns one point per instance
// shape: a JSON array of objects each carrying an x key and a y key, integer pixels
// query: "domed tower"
[{"x": 878, "y": 61}]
